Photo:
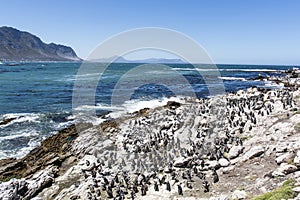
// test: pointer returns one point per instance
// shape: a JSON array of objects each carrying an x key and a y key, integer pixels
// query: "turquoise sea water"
[{"x": 39, "y": 95}]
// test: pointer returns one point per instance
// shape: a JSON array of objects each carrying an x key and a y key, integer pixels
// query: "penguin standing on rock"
[
  {"x": 109, "y": 193},
  {"x": 195, "y": 170},
  {"x": 143, "y": 190},
  {"x": 179, "y": 190},
  {"x": 206, "y": 186},
  {"x": 215, "y": 176},
  {"x": 168, "y": 186},
  {"x": 116, "y": 178},
  {"x": 106, "y": 182},
  {"x": 156, "y": 186}
]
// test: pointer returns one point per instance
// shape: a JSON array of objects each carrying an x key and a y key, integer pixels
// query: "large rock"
[
  {"x": 181, "y": 161},
  {"x": 235, "y": 151},
  {"x": 27, "y": 189},
  {"x": 296, "y": 175},
  {"x": 227, "y": 170},
  {"x": 224, "y": 162},
  {"x": 213, "y": 164},
  {"x": 277, "y": 173},
  {"x": 296, "y": 189},
  {"x": 253, "y": 152},
  {"x": 284, "y": 158},
  {"x": 173, "y": 104},
  {"x": 239, "y": 194},
  {"x": 222, "y": 197},
  {"x": 281, "y": 148},
  {"x": 6, "y": 121},
  {"x": 286, "y": 168}
]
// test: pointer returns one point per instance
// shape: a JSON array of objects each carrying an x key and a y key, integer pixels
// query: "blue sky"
[{"x": 248, "y": 32}]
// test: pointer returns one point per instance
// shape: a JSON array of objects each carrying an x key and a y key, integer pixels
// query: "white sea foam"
[
  {"x": 84, "y": 117},
  {"x": 20, "y": 133},
  {"x": 253, "y": 70},
  {"x": 119, "y": 110},
  {"x": 228, "y": 78},
  {"x": 136, "y": 105},
  {"x": 25, "y": 150},
  {"x": 228, "y": 69},
  {"x": 98, "y": 107},
  {"x": 194, "y": 69},
  {"x": 21, "y": 117},
  {"x": 273, "y": 85},
  {"x": 86, "y": 75},
  {"x": 158, "y": 72},
  {"x": 19, "y": 153},
  {"x": 80, "y": 77},
  {"x": 63, "y": 124}
]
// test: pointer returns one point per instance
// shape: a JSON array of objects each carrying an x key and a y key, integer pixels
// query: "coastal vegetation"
[{"x": 283, "y": 192}]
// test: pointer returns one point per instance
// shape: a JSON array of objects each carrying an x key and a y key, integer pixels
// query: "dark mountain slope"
[{"x": 17, "y": 45}]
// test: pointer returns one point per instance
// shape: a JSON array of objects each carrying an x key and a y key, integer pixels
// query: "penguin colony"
[{"x": 171, "y": 149}]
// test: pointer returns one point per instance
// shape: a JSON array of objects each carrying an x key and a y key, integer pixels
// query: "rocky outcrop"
[
  {"x": 52, "y": 151},
  {"x": 6, "y": 121},
  {"x": 253, "y": 152},
  {"x": 17, "y": 45}
]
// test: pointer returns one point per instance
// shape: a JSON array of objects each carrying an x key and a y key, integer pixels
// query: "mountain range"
[{"x": 16, "y": 45}]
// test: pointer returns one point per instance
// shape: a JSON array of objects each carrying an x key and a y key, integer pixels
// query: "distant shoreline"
[{"x": 3, "y": 62}]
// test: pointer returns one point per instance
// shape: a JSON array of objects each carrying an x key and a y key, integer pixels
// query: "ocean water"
[{"x": 39, "y": 95}]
